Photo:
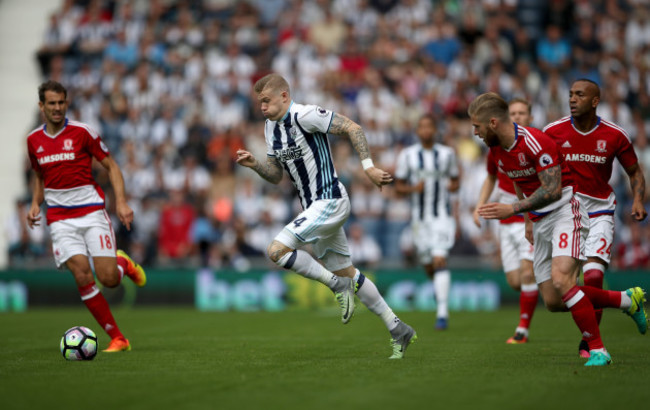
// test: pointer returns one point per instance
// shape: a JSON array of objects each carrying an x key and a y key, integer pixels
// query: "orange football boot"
[
  {"x": 119, "y": 344},
  {"x": 133, "y": 271}
]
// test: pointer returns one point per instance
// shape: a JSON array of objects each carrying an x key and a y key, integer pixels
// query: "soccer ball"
[{"x": 79, "y": 343}]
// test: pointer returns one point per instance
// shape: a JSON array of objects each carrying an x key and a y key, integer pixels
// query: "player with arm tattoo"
[
  {"x": 515, "y": 233},
  {"x": 296, "y": 141},
  {"x": 560, "y": 223}
]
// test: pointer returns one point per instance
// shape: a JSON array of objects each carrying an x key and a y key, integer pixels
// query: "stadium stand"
[{"x": 168, "y": 84}]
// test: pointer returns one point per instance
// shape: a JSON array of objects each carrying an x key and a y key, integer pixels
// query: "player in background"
[
  {"x": 61, "y": 153},
  {"x": 559, "y": 223},
  {"x": 296, "y": 140},
  {"x": 589, "y": 145},
  {"x": 428, "y": 171},
  {"x": 516, "y": 251}
]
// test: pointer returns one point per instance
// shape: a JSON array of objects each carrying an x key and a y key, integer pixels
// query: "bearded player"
[
  {"x": 559, "y": 223},
  {"x": 516, "y": 251}
]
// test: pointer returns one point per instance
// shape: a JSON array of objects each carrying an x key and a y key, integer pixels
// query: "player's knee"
[
  {"x": 553, "y": 302},
  {"x": 555, "y": 306},
  {"x": 527, "y": 276},
  {"x": 109, "y": 281},
  {"x": 281, "y": 255},
  {"x": 287, "y": 259},
  {"x": 439, "y": 263},
  {"x": 109, "y": 278},
  {"x": 513, "y": 280}
]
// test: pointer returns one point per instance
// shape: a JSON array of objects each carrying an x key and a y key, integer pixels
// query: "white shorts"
[
  {"x": 90, "y": 234},
  {"x": 322, "y": 226},
  {"x": 563, "y": 232},
  {"x": 433, "y": 238},
  {"x": 600, "y": 237},
  {"x": 514, "y": 245}
]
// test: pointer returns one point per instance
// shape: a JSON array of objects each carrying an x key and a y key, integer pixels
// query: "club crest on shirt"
[
  {"x": 522, "y": 159},
  {"x": 601, "y": 146},
  {"x": 293, "y": 132},
  {"x": 545, "y": 160},
  {"x": 67, "y": 145},
  {"x": 321, "y": 111}
]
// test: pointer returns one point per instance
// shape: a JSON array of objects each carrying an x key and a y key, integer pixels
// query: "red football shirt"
[
  {"x": 506, "y": 185},
  {"x": 64, "y": 160},
  {"x": 590, "y": 155},
  {"x": 532, "y": 152}
]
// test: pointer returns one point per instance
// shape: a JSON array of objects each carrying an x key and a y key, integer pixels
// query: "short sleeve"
[
  {"x": 544, "y": 151},
  {"x": 32, "y": 158},
  {"x": 625, "y": 154},
  {"x": 268, "y": 137},
  {"x": 95, "y": 145},
  {"x": 315, "y": 119}
]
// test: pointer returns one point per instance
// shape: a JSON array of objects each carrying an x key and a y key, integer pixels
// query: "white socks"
[
  {"x": 370, "y": 296},
  {"x": 368, "y": 293},
  {"x": 441, "y": 284},
  {"x": 307, "y": 266},
  {"x": 626, "y": 301}
]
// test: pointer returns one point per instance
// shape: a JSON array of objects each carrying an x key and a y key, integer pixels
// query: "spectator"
[{"x": 174, "y": 234}]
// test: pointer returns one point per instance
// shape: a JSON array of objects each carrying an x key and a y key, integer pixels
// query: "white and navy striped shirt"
[
  {"x": 299, "y": 142},
  {"x": 435, "y": 167}
]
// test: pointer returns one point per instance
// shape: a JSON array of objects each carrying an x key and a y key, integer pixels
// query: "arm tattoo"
[
  {"x": 341, "y": 125},
  {"x": 549, "y": 192},
  {"x": 271, "y": 171},
  {"x": 637, "y": 182}
]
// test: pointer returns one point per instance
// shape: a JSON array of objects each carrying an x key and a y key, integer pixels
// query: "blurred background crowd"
[{"x": 169, "y": 86}]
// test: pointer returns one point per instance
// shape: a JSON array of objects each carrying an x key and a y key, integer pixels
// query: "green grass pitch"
[{"x": 184, "y": 359}]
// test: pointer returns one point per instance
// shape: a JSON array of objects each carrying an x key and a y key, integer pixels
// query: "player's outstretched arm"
[
  {"x": 271, "y": 171},
  {"x": 483, "y": 196},
  {"x": 342, "y": 125},
  {"x": 38, "y": 196},
  {"x": 637, "y": 183},
  {"x": 122, "y": 208}
]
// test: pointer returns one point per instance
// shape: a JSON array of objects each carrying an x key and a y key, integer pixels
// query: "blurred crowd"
[{"x": 169, "y": 86}]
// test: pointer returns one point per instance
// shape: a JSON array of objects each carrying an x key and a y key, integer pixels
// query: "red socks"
[
  {"x": 98, "y": 306},
  {"x": 601, "y": 298},
  {"x": 583, "y": 315},
  {"x": 527, "y": 304},
  {"x": 594, "y": 274}
]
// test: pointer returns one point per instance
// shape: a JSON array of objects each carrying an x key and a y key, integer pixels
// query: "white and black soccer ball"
[{"x": 79, "y": 343}]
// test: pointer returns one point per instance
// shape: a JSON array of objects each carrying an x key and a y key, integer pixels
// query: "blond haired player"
[
  {"x": 296, "y": 141},
  {"x": 560, "y": 223},
  {"x": 516, "y": 251}
]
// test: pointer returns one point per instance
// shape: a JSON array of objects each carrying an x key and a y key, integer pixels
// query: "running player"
[
  {"x": 516, "y": 251},
  {"x": 296, "y": 140},
  {"x": 61, "y": 153},
  {"x": 589, "y": 145},
  {"x": 560, "y": 224},
  {"x": 428, "y": 171}
]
